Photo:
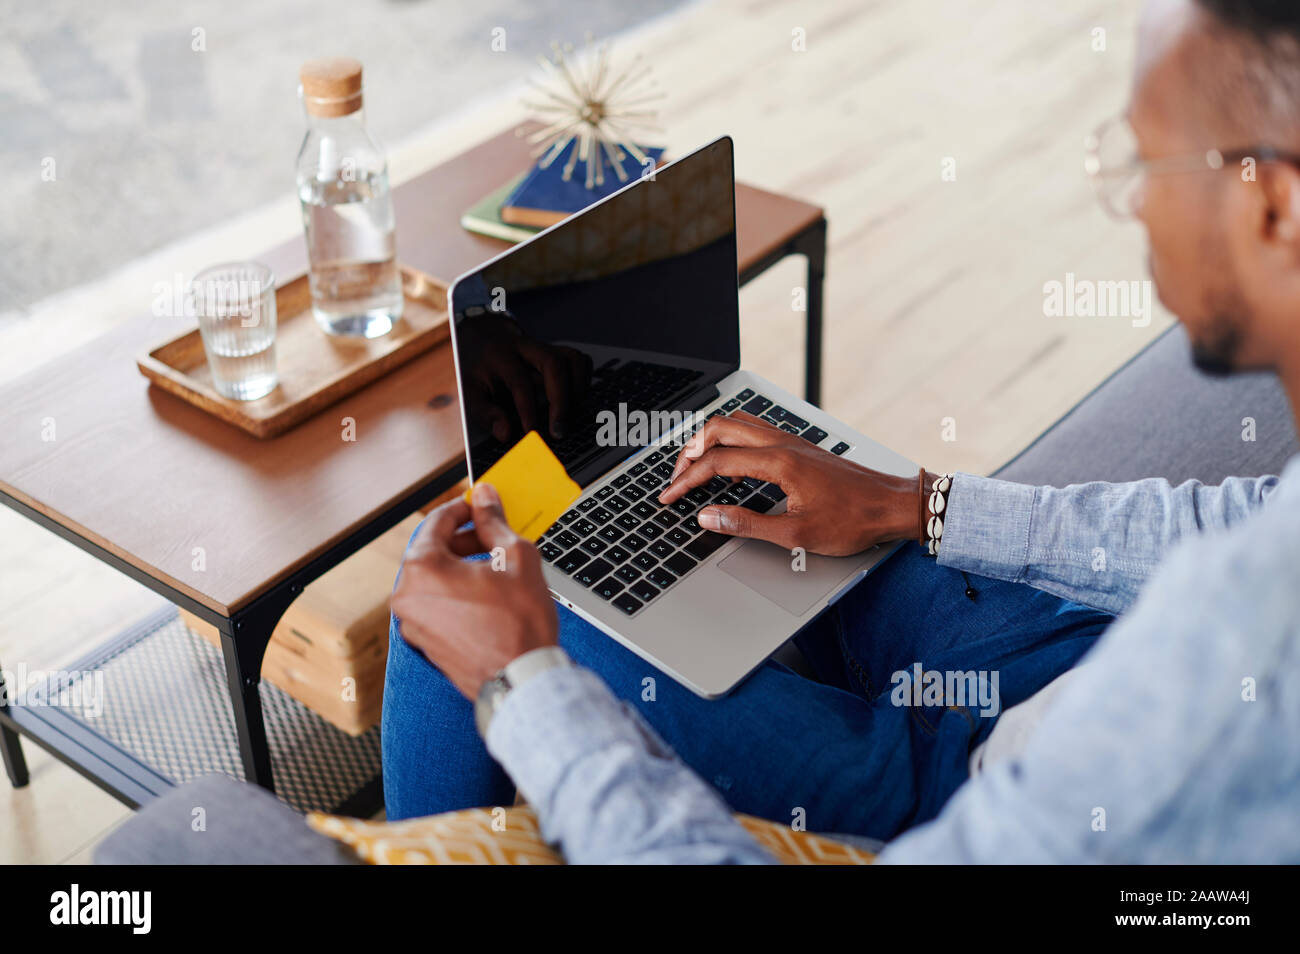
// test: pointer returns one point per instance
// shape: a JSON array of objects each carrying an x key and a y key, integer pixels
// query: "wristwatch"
[{"x": 515, "y": 674}]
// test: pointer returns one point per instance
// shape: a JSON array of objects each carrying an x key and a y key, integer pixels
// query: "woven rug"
[{"x": 165, "y": 703}]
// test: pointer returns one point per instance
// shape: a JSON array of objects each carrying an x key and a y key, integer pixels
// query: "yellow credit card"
[{"x": 533, "y": 485}]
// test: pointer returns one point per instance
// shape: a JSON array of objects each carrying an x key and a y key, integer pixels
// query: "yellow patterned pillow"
[{"x": 510, "y": 836}]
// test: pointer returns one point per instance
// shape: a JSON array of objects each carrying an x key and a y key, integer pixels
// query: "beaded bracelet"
[{"x": 937, "y": 505}]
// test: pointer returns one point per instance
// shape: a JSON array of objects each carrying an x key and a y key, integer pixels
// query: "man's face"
[{"x": 1196, "y": 245}]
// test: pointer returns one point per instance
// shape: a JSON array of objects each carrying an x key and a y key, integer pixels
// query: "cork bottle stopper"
[{"x": 331, "y": 86}]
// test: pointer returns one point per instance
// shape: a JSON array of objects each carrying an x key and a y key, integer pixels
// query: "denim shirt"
[{"x": 1178, "y": 741}]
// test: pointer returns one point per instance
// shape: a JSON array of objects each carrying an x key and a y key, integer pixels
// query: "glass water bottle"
[{"x": 347, "y": 210}]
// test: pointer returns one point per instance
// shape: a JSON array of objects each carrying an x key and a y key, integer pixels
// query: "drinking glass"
[{"x": 235, "y": 305}]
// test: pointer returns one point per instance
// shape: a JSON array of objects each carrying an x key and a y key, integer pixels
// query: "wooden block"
[
  {"x": 316, "y": 679},
  {"x": 330, "y": 648}
]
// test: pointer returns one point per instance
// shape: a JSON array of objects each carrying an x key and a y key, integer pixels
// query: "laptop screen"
[{"x": 602, "y": 331}]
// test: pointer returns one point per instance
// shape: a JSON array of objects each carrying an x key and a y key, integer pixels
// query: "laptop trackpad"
[{"x": 792, "y": 584}]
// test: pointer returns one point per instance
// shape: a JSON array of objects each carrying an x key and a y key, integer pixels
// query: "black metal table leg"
[
  {"x": 11, "y": 746},
  {"x": 812, "y": 245},
  {"x": 243, "y": 645},
  {"x": 15, "y": 764},
  {"x": 246, "y": 702}
]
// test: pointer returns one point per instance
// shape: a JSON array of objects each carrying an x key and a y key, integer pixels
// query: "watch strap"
[
  {"x": 515, "y": 674},
  {"x": 533, "y": 663}
]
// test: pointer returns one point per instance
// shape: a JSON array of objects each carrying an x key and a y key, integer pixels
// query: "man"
[{"x": 1176, "y": 738}]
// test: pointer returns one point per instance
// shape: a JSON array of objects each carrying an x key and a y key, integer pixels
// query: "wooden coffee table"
[{"x": 233, "y": 528}]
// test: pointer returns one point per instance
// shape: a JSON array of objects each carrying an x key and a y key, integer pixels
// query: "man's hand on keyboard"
[
  {"x": 834, "y": 506},
  {"x": 471, "y": 618}
]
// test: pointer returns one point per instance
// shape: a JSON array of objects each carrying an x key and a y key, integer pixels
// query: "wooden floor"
[{"x": 934, "y": 294}]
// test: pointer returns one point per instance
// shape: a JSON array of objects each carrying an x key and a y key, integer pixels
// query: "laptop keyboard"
[{"x": 628, "y": 548}]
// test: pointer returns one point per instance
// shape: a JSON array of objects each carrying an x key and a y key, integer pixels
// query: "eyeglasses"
[{"x": 1119, "y": 176}]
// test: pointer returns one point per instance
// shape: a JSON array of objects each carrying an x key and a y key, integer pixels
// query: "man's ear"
[{"x": 1279, "y": 185}]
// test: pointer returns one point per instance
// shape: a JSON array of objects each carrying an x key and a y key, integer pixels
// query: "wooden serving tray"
[{"x": 316, "y": 369}]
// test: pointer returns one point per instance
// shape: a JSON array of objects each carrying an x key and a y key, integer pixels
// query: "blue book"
[{"x": 544, "y": 197}]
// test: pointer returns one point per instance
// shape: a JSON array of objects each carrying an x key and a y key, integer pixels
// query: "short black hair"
[
  {"x": 1252, "y": 79},
  {"x": 1263, "y": 19}
]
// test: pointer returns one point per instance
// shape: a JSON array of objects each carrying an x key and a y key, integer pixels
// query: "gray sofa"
[
  {"x": 1159, "y": 417},
  {"x": 1155, "y": 417}
]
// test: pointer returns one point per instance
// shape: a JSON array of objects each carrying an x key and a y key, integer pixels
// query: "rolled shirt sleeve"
[{"x": 1094, "y": 543}]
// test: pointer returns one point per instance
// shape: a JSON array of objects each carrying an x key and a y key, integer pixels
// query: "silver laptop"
[{"x": 615, "y": 334}]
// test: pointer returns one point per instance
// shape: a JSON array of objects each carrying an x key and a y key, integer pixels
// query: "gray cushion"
[
  {"x": 1158, "y": 416},
  {"x": 244, "y": 825}
]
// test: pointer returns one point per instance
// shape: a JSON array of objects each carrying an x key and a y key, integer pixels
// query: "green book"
[{"x": 484, "y": 216}]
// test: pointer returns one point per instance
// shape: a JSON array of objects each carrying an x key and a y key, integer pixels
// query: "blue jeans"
[{"x": 837, "y": 750}]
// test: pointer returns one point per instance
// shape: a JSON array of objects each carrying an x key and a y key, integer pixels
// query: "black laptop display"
[{"x": 604, "y": 326}]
